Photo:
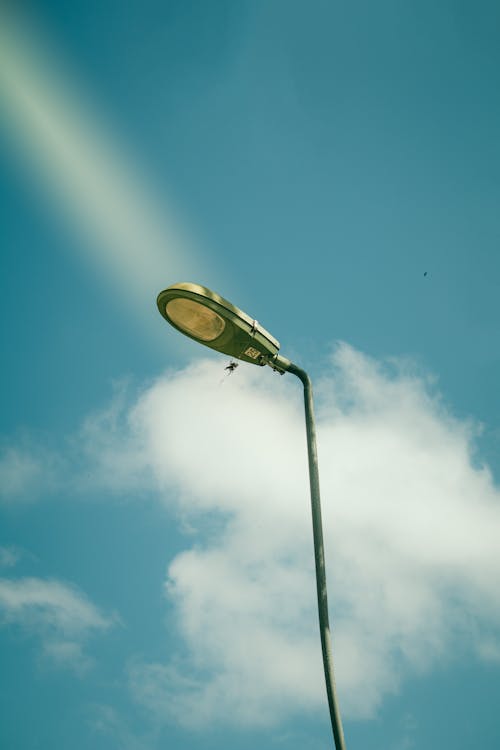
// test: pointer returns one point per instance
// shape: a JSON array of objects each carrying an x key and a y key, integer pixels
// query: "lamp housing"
[{"x": 211, "y": 320}]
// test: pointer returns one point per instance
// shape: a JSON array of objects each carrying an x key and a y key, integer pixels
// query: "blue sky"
[{"x": 334, "y": 171}]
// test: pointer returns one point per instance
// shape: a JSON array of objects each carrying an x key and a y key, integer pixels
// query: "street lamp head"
[{"x": 213, "y": 321}]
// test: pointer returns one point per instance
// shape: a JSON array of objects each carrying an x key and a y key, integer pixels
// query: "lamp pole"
[
  {"x": 319, "y": 558},
  {"x": 211, "y": 320}
]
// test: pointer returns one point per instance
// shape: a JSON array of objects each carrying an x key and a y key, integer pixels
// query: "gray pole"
[{"x": 319, "y": 557}]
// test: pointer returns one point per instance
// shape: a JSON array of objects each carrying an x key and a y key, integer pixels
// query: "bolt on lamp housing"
[{"x": 213, "y": 321}]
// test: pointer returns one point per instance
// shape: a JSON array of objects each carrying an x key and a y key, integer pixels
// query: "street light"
[{"x": 213, "y": 321}]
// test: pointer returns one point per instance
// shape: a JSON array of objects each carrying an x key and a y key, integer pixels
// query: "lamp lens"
[{"x": 195, "y": 319}]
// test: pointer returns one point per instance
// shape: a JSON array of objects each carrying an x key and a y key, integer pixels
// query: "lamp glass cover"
[{"x": 195, "y": 319}]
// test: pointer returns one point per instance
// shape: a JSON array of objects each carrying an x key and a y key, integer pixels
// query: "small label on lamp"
[{"x": 253, "y": 353}]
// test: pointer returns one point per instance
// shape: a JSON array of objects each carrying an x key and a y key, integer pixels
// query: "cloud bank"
[{"x": 411, "y": 521}]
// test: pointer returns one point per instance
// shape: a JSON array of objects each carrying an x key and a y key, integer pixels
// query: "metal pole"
[{"x": 319, "y": 557}]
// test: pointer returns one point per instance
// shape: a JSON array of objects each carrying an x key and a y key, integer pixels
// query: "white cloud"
[
  {"x": 9, "y": 556},
  {"x": 106, "y": 721},
  {"x": 411, "y": 527},
  {"x": 107, "y": 451},
  {"x": 407, "y": 727},
  {"x": 60, "y": 615},
  {"x": 26, "y": 470}
]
